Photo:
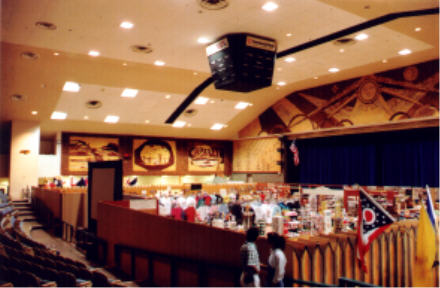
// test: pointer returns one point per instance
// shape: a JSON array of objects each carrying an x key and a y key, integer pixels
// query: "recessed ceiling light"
[
  {"x": 316, "y": 77},
  {"x": 195, "y": 73},
  {"x": 241, "y": 105},
  {"x": 384, "y": 61},
  {"x": 147, "y": 121},
  {"x": 269, "y": 6},
  {"x": 56, "y": 53},
  {"x": 341, "y": 50},
  {"x": 129, "y": 93},
  {"x": 71, "y": 86},
  {"x": 126, "y": 25},
  {"x": 418, "y": 29},
  {"x": 189, "y": 124},
  {"x": 405, "y": 52},
  {"x": 289, "y": 35},
  {"x": 281, "y": 83},
  {"x": 290, "y": 59},
  {"x": 203, "y": 40},
  {"x": 279, "y": 69},
  {"x": 217, "y": 126},
  {"x": 168, "y": 96},
  {"x": 201, "y": 100},
  {"x": 333, "y": 70},
  {"x": 56, "y": 115},
  {"x": 159, "y": 63},
  {"x": 86, "y": 117},
  {"x": 179, "y": 124},
  {"x": 34, "y": 112},
  {"x": 111, "y": 119},
  {"x": 124, "y": 64},
  {"x": 94, "y": 53},
  {"x": 361, "y": 37},
  {"x": 212, "y": 101}
]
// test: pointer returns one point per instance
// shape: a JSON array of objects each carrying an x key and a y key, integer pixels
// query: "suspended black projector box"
[{"x": 242, "y": 62}]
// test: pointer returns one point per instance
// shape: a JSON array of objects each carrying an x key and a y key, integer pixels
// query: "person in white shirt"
[{"x": 276, "y": 261}]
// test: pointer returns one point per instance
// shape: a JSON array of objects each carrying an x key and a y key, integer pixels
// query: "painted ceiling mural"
[{"x": 404, "y": 93}]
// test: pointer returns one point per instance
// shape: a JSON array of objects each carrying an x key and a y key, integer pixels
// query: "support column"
[{"x": 23, "y": 165}]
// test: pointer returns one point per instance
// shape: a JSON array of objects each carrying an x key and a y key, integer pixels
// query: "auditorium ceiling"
[{"x": 46, "y": 43}]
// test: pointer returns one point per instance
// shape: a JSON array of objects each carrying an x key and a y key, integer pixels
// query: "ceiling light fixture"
[
  {"x": 418, "y": 29},
  {"x": 212, "y": 101},
  {"x": 159, "y": 63},
  {"x": 289, "y": 35},
  {"x": 269, "y": 6},
  {"x": 86, "y": 117},
  {"x": 281, "y": 83},
  {"x": 333, "y": 70},
  {"x": 217, "y": 126},
  {"x": 203, "y": 40},
  {"x": 341, "y": 50},
  {"x": 242, "y": 105},
  {"x": 179, "y": 124},
  {"x": 56, "y": 54},
  {"x": 361, "y": 37},
  {"x": 168, "y": 96},
  {"x": 126, "y": 25},
  {"x": 71, "y": 86},
  {"x": 94, "y": 53},
  {"x": 124, "y": 64},
  {"x": 147, "y": 121},
  {"x": 34, "y": 112},
  {"x": 129, "y": 93},
  {"x": 56, "y": 115},
  {"x": 384, "y": 61},
  {"x": 316, "y": 77},
  {"x": 201, "y": 100},
  {"x": 111, "y": 119},
  {"x": 405, "y": 52},
  {"x": 290, "y": 59}
]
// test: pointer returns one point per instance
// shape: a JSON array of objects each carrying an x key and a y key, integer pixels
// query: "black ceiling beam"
[
  {"x": 357, "y": 28},
  {"x": 310, "y": 44},
  {"x": 189, "y": 100}
]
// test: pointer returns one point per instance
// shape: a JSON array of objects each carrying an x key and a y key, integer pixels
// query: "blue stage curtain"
[{"x": 401, "y": 158}]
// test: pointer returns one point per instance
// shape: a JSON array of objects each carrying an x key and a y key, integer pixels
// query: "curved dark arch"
[
  {"x": 398, "y": 114},
  {"x": 346, "y": 121},
  {"x": 310, "y": 44},
  {"x": 305, "y": 116}
]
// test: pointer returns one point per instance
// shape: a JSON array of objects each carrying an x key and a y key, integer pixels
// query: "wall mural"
[
  {"x": 154, "y": 155},
  {"x": 404, "y": 93},
  {"x": 82, "y": 150},
  {"x": 205, "y": 157},
  {"x": 261, "y": 156}
]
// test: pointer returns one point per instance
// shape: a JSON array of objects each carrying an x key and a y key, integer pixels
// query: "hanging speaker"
[{"x": 242, "y": 62}]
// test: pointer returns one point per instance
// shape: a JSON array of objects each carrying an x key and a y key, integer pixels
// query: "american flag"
[
  {"x": 295, "y": 152},
  {"x": 373, "y": 219}
]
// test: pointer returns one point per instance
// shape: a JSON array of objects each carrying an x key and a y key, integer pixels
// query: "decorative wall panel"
[
  {"x": 257, "y": 156},
  {"x": 154, "y": 155},
  {"x": 82, "y": 150},
  {"x": 406, "y": 93}
]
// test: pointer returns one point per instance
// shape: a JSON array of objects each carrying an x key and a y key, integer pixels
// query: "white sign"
[{"x": 143, "y": 204}]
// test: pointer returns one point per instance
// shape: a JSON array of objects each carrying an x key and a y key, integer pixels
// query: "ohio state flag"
[{"x": 373, "y": 219}]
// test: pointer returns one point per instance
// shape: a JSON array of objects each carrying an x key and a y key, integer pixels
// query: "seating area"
[{"x": 25, "y": 262}]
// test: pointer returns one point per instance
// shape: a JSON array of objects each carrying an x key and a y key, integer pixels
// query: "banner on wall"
[
  {"x": 154, "y": 155},
  {"x": 205, "y": 157},
  {"x": 82, "y": 150}
]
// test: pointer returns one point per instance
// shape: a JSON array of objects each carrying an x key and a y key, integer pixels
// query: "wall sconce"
[{"x": 25, "y": 151}]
